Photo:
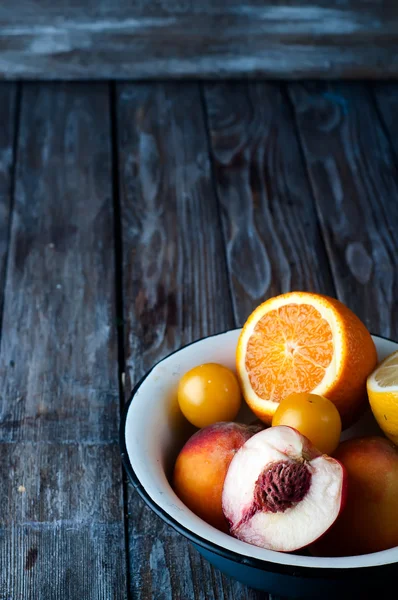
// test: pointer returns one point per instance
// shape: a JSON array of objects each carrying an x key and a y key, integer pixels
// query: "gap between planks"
[{"x": 9, "y": 169}]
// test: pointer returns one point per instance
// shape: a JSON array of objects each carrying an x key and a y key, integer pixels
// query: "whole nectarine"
[
  {"x": 202, "y": 465},
  {"x": 369, "y": 521}
]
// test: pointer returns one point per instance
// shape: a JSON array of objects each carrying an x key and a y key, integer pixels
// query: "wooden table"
[
  {"x": 154, "y": 39},
  {"x": 135, "y": 218}
]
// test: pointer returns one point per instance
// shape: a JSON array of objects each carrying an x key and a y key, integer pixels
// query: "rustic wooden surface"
[
  {"x": 8, "y": 103},
  {"x": 353, "y": 176},
  {"x": 180, "y": 38},
  {"x": 267, "y": 208},
  {"x": 169, "y": 283},
  {"x": 61, "y": 510},
  {"x": 135, "y": 219}
]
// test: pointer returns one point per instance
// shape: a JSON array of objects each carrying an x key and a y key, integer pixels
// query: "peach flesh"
[
  {"x": 280, "y": 492},
  {"x": 278, "y": 488},
  {"x": 202, "y": 465}
]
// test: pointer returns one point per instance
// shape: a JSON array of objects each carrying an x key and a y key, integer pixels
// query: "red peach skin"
[
  {"x": 202, "y": 465},
  {"x": 369, "y": 521}
]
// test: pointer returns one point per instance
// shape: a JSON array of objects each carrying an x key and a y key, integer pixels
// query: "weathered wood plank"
[
  {"x": 7, "y": 129},
  {"x": 60, "y": 561},
  {"x": 46, "y": 483},
  {"x": 386, "y": 96},
  {"x": 180, "y": 38},
  {"x": 269, "y": 219},
  {"x": 354, "y": 180},
  {"x": 61, "y": 533},
  {"x": 58, "y": 360},
  {"x": 175, "y": 285},
  {"x": 61, "y": 513},
  {"x": 175, "y": 291},
  {"x": 167, "y": 566}
]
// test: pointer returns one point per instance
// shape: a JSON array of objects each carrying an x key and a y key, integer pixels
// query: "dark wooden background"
[
  {"x": 141, "y": 39},
  {"x": 135, "y": 218}
]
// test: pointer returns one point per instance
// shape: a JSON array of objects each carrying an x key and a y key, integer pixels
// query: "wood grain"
[
  {"x": 58, "y": 361},
  {"x": 180, "y": 38},
  {"x": 175, "y": 291},
  {"x": 269, "y": 219},
  {"x": 354, "y": 180},
  {"x": 7, "y": 131},
  {"x": 386, "y": 97},
  {"x": 168, "y": 566},
  {"x": 61, "y": 512},
  {"x": 61, "y": 534},
  {"x": 175, "y": 284}
]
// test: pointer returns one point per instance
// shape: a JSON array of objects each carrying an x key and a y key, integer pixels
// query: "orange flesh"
[{"x": 289, "y": 351}]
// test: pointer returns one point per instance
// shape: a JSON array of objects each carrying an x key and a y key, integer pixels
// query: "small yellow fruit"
[
  {"x": 208, "y": 394},
  {"x": 312, "y": 415}
]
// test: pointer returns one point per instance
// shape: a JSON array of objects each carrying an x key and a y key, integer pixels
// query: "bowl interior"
[{"x": 155, "y": 431}]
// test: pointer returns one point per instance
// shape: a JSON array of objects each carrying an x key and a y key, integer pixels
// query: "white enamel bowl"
[{"x": 153, "y": 431}]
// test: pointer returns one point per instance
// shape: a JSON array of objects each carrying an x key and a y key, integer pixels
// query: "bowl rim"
[{"x": 381, "y": 571}]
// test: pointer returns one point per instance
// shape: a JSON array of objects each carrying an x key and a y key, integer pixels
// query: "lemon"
[{"x": 382, "y": 386}]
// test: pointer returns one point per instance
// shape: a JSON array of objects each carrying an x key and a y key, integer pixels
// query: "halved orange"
[
  {"x": 382, "y": 386},
  {"x": 304, "y": 342}
]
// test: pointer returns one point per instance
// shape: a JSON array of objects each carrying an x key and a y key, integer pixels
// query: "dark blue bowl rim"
[{"x": 379, "y": 571}]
